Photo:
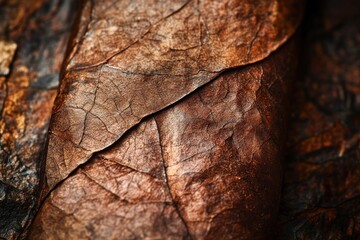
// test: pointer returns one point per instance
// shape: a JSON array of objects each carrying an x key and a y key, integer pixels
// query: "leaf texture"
[
  {"x": 131, "y": 59},
  {"x": 207, "y": 167}
]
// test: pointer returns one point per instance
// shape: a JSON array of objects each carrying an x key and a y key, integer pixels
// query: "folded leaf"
[
  {"x": 207, "y": 167},
  {"x": 131, "y": 59},
  {"x": 136, "y": 150}
]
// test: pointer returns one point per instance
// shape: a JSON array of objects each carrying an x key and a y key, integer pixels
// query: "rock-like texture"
[
  {"x": 207, "y": 167},
  {"x": 321, "y": 196},
  {"x": 7, "y": 51},
  {"x": 40, "y": 30},
  {"x": 130, "y": 59}
]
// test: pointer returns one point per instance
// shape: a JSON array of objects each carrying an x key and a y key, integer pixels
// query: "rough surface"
[
  {"x": 208, "y": 167},
  {"x": 15, "y": 16},
  {"x": 40, "y": 29},
  {"x": 130, "y": 59},
  {"x": 321, "y": 196},
  {"x": 7, "y": 51}
]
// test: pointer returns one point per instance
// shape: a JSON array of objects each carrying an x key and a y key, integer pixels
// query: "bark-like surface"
[
  {"x": 7, "y": 51},
  {"x": 130, "y": 59},
  {"x": 39, "y": 29},
  {"x": 207, "y": 167},
  {"x": 321, "y": 196}
]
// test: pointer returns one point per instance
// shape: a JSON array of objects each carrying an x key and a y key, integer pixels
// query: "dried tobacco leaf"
[
  {"x": 133, "y": 58},
  {"x": 207, "y": 167},
  {"x": 40, "y": 30},
  {"x": 128, "y": 61},
  {"x": 322, "y": 175}
]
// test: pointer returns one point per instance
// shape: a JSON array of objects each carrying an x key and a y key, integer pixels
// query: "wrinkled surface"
[
  {"x": 40, "y": 30},
  {"x": 208, "y": 167},
  {"x": 130, "y": 59},
  {"x": 321, "y": 197}
]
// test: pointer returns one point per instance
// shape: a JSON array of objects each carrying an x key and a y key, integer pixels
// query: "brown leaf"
[
  {"x": 131, "y": 59},
  {"x": 208, "y": 167}
]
